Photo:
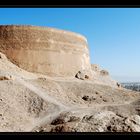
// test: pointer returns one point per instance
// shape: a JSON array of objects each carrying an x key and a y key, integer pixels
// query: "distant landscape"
[{"x": 135, "y": 86}]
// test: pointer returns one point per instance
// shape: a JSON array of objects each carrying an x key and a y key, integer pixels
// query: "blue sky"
[{"x": 113, "y": 34}]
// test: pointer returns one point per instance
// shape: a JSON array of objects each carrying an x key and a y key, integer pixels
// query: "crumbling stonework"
[{"x": 45, "y": 50}]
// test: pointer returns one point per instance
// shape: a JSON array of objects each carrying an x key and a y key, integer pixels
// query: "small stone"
[
  {"x": 104, "y": 72},
  {"x": 86, "y": 98},
  {"x": 82, "y": 75},
  {"x": 86, "y": 76},
  {"x": 104, "y": 100},
  {"x": 118, "y": 84},
  {"x": 4, "y": 78},
  {"x": 96, "y": 92},
  {"x": 95, "y": 67}
]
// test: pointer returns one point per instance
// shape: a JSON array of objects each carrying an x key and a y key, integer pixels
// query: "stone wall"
[{"x": 45, "y": 50}]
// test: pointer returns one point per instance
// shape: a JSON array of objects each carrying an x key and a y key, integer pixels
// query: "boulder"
[
  {"x": 104, "y": 72},
  {"x": 133, "y": 122},
  {"x": 118, "y": 85},
  {"x": 5, "y": 76},
  {"x": 83, "y": 75},
  {"x": 95, "y": 67}
]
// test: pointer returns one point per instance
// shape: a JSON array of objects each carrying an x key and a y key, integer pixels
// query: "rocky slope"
[{"x": 39, "y": 103}]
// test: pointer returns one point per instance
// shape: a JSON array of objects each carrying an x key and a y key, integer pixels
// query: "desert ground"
[{"x": 33, "y": 102}]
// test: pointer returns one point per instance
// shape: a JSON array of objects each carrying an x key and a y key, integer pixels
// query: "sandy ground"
[{"x": 39, "y": 103}]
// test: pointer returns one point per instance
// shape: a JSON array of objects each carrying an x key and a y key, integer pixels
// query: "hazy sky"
[{"x": 113, "y": 34}]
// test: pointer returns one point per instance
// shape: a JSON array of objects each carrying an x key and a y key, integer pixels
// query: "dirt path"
[
  {"x": 40, "y": 93},
  {"x": 44, "y": 96},
  {"x": 61, "y": 107}
]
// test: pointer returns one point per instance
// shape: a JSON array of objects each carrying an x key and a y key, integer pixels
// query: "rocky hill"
[
  {"x": 45, "y": 50},
  {"x": 38, "y": 97}
]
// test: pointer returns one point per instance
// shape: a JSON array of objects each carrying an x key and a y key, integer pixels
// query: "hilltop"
[{"x": 80, "y": 98}]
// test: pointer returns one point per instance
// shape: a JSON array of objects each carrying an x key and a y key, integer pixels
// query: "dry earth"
[{"x": 39, "y": 103}]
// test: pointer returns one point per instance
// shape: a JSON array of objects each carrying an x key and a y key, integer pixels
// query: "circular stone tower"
[{"x": 45, "y": 50}]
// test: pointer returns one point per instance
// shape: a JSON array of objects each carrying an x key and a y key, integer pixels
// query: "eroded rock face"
[
  {"x": 104, "y": 72},
  {"x": 95, "y": 67},
  {"x": 104, "y": 121},
  {"x": 45, "y": 50}
]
